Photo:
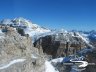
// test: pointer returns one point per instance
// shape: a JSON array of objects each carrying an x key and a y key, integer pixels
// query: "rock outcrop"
[
  {"x": 17, "y": 53},
  {"x": 60, "y": 45}
]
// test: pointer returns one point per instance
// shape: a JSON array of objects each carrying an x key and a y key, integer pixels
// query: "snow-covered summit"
[{"x": 25, "y": 24}]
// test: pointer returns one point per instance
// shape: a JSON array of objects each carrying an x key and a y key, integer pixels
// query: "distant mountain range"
[{"x": 37, "y": 31}]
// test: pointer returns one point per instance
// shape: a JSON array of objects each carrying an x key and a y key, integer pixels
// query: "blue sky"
[{"x": 54, "y": 14}]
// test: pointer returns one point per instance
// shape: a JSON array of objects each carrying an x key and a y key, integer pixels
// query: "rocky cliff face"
[
  {"x": 60, "y": 45},
  {"x": 17, "y": 53}
]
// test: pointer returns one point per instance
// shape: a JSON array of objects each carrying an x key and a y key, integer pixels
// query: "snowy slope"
[
  {"x": 11, "y": 63},
  {"x": 90, "y": 36},
  {"x": 85, "y": 39},
  {"x": 31, "y": 29},
  {"x": 49, "y": 67}
]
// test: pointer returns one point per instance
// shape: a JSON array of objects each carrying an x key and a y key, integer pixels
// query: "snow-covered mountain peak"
[
  {"x": 28, "y": 23},
  {"x": 25, "y": 24},
  {"x": 22, "y": 21}
]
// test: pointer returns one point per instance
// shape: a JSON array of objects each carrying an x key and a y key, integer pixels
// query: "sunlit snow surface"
[
  {"x": 11, "y": 63},
  {"x": 57, "y": 60},
  {"x": 1, "y": 34},
  {"x": 49, "y": 67},
  {"x": 85, "y": 39}
]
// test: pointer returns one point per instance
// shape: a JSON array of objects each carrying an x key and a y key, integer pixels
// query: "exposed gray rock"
[
  {"x": 60, "y": 44},
  {"x": 13, "y": 46}
]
